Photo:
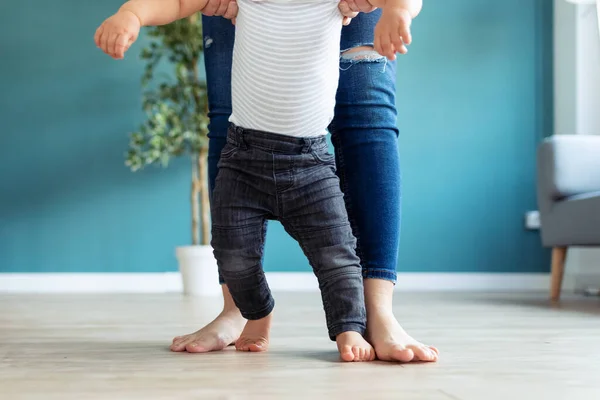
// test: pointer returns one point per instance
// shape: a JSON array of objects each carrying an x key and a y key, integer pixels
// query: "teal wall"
[{"x": 474, "y": 99}]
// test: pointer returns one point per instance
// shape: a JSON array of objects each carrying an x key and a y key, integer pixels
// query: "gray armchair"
[{"x": 568, "y": 197}]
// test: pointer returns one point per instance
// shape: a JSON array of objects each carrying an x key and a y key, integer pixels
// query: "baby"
[{"x": 276, "y": 164}]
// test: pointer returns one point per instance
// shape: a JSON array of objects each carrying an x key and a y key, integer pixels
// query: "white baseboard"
[
  {"x": 278, "y": 281},
  {"x": 90, "y": 282}
]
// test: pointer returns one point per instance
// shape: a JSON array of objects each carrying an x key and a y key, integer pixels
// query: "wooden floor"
[{"x": 116, "y": 347}]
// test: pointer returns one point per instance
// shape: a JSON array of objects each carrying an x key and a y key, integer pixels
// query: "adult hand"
[
  {"x": 347, "y": 13},
  {"x": 351, "y": 8},
  {"x": 228, "y": 9},
  {"x": 356, "y": 6},
  {"x": 221, "y": 8}
]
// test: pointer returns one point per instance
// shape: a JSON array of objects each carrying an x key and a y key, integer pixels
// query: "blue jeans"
[
  {"x": 265, "y": 176},
  {"x": 364, "y": 135}
]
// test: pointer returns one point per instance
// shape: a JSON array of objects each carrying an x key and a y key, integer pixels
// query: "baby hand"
[
  {"x": 118, "y": 33},
  {"x": 392, "y": 33}
]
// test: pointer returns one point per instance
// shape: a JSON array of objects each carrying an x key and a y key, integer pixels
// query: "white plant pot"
[{"x": 199, "y": 271}]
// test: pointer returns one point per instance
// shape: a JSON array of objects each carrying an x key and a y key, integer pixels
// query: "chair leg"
[{"x": 559, "y": 255}]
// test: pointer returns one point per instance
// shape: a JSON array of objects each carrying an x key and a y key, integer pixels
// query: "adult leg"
[
  {"x": 364, "y": 134},
  {"x": 218, "y": 38}
]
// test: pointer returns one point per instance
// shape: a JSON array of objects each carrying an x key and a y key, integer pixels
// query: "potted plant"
[{"x": 177, "y": 125}]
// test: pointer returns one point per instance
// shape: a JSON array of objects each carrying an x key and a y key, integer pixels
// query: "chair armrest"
[{"x": 567, "y": 165}]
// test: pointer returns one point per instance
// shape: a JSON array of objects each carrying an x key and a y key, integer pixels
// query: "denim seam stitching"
[
  {"x": 317, "y": 158},
  {"x": 260, "y": 312},
  {"x": 381, "y": 274},
  {"x": 336, "y": 275},
  {"x": 344, "y": 327},
  {"x": 277, "y": 202},
  {"x": 308, "y": 255},
  {"x": 344, "y": 184},
  {"x": 292, "y": 177},
  {"x": 322, "y": 229},
  {"x": 379, "y": 269},
  {"x": 231, "y": 228}
]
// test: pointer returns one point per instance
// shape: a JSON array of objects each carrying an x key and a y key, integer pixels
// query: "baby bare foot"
[
  {"x": 255, "y": 336},
  {"x": 220, "y": 333},
  {"x": 353, "y": 347},
  {"x": 392, "y": 343}
]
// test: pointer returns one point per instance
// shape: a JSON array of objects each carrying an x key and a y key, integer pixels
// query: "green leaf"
[{"x": 175, "y": 102}]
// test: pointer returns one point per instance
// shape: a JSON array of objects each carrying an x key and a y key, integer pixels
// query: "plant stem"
[
  {"x": 200, "y": 200},
  {"x": 201, "y": 179},
  {"x": 205, "y": 204},
  {"x": 194, "y": 199}
]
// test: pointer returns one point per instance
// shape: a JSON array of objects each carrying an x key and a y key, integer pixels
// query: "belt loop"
[
  {"x": 239, "y": 135},
  {"x": 307, "y": 145}
]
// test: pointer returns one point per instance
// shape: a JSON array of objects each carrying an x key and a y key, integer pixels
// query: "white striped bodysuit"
[{"x": 285, "y": 67}]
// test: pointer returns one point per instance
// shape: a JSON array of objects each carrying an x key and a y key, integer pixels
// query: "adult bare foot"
[
  {"x": 255, "y": 336},
  {"x": 353, "y": 347},
  {"x": 392, "y": 343},
  {"x": 220, "y": 333},
  {"x": 389, "y": 339}
]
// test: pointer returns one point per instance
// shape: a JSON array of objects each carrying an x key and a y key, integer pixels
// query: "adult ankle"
[
  {"x": 378, "y": 296},
  {"x": 231, "y": 312},
  {"x": 380, "y": 310}
]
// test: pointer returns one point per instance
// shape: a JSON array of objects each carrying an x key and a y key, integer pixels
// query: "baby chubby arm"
[
  {"x": 118, "y": 32},
  {"x": 162, "y": 12}
]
